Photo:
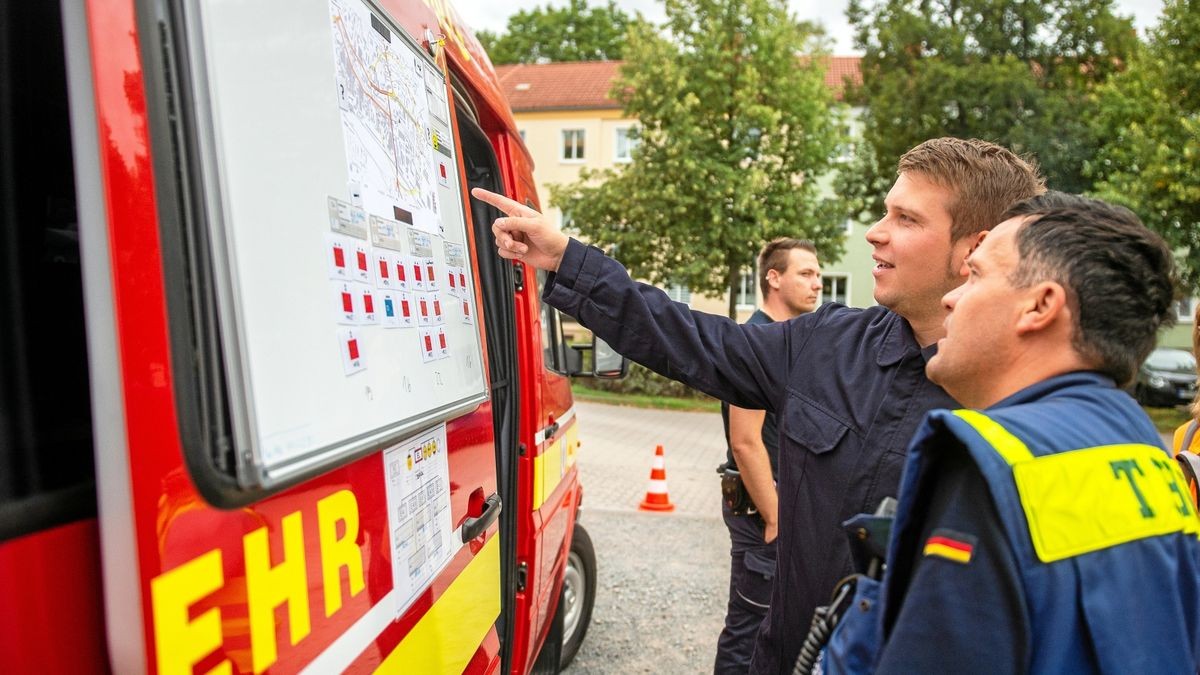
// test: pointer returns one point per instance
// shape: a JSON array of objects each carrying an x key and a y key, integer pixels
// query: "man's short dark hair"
[
  {"x": 1119, "y": 276},
  {"x": 774, "y": 256}
]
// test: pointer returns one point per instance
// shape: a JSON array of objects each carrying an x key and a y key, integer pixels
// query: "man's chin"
[{"x": 933, "y": 371}]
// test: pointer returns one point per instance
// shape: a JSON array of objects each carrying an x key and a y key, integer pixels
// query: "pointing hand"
[{"x": 524, "y": 234}]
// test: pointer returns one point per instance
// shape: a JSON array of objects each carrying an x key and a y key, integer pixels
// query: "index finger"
[{"x": 508, "y": 206}]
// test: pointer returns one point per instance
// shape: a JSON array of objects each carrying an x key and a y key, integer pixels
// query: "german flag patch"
[{"x": 953, "y": 546}]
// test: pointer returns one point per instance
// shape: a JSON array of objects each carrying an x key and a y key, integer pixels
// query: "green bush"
[{"x": 642, "y": 380}]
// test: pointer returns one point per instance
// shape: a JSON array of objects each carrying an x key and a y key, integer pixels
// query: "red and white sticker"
[
  {"x": 432, "y": 282},
  {"x": 443, "y": 348},
  {"x": 345, "y": 303},
  {"x": 361, "y": 262},
  {"x": 407, "y": 319},
  {"x": 416, "y": 279},
  {"x": 350, "y": 343},
  {"x": 367, "y": 304},
  {"x": 466, "y": 312},
  {"x": 384, "y": 268},
  {"x": 443, "y": 172},
  {"x": 428, "y": 349},
  {"x": 339, "y": 252}
]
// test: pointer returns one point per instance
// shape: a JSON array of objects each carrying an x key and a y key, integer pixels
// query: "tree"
[
  {"x": 735, "y": 132},
  {"x": 1150, "y": 115},
  {"x": 571, "y": 33},
  {"x": 1015, "y": 72}
]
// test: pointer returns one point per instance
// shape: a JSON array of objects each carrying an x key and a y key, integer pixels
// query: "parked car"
[{"x": 1167, "y": 377}]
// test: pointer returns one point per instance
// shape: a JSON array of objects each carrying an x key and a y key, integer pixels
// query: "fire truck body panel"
[{"x": 300, "y": 579}]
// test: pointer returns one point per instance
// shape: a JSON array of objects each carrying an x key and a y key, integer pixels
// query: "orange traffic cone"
[{"x": 656, "y": 491}]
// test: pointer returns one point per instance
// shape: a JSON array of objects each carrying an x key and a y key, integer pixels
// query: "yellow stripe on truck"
[
  {"x": 449, "y": 634},
  {"x": 550, "y": 466}
]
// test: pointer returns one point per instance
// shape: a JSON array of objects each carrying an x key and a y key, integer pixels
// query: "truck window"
[
  {"x": 554, "y": 344},
  {"x": 46, "y": 466}
]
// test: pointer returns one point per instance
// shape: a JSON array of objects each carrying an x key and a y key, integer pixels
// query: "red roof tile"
[
  {"x": 839, "y": 69},
  {"x": 558, "y": 86},
  {"x": 584, "y": 85}
]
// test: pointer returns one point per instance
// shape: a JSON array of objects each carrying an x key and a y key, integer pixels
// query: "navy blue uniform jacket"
[{"x": 847, "y": 386}]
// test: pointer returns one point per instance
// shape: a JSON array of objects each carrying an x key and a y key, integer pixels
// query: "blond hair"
[{"x": 985, "y": 178}]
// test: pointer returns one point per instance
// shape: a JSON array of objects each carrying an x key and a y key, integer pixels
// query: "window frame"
[
  {"x": 630, "y": 144},
  {"x": 579, "y": 147},
  {"x": 841, "y": 287}
]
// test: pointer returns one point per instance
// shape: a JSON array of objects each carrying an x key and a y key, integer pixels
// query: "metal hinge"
[
  {"x": 522, "y": 576},
  {"x": 519, "y": 276}
]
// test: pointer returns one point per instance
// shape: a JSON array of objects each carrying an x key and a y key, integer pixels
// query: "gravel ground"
[{"x": 660, "y": 593}]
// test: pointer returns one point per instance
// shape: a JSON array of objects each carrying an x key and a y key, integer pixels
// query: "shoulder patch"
[{"x": 950, "y": 545}]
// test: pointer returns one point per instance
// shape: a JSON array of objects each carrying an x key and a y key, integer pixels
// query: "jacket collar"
[{"x": 899, "y": 342}]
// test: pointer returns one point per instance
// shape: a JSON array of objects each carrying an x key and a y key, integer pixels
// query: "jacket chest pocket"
[{"x": 810, "y": 427}]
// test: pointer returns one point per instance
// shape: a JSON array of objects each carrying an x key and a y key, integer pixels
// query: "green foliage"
[
  {"x": 645, "y": 382},
  {"x": 571, "y": 33},
  {"x": 735, "y": 130},
  {"x": 1150, "y": 116},
  {"x": 1015, "y": 72}
]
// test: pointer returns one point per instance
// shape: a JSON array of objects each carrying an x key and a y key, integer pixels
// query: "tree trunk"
[{"x": 733, "y": 279}]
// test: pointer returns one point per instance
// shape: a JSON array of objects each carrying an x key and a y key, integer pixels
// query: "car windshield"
[{"x": 1175, "y": 360}]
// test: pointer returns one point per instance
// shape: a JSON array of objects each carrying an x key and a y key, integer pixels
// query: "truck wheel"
[{"x": 578, "y": 594}]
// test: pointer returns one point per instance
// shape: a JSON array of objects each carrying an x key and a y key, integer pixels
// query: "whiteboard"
[{"x": 343, "y": 273}]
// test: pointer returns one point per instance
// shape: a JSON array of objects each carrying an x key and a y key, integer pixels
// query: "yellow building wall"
[{"x": 543, "y": 136}]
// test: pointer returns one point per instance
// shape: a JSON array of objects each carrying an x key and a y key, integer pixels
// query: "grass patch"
[
  {"x": 583, "y": 393},
  {"x": 1167, "y": 419}
]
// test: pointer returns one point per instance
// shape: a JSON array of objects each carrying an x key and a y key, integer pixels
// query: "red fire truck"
[{"x": 268, "y": 399}]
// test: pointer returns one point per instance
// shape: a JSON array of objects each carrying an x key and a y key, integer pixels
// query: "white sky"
[{"x": 493, "y": 15}]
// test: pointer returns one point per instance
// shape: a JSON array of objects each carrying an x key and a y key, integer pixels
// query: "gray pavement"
[
  {"x": 618, "y": 448},
  {"x": 662, "y": 578}
]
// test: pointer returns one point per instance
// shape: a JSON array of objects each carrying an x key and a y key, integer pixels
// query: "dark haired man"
[
  {"x": 847, "y": 385},
  {"x": 1044, "y": 529},
  {"x": 789, "y": 276}
]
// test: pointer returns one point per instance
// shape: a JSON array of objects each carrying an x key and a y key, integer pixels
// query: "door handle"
[{"x": 473, "y": 527}]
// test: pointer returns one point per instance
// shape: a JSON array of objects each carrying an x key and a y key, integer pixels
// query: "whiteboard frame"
[{"x": 252, "y": 472}]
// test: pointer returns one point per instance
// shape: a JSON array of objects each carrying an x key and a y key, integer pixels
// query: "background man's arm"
[{"x": 745, "y": 439}]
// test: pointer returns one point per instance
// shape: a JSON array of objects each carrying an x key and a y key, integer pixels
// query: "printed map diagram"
[{"x": 385, "y": 116}]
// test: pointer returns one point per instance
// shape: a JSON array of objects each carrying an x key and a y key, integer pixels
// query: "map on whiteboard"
[{"x": 381, "y": 84}]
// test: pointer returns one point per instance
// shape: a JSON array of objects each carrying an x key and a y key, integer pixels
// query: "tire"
[{"x": 578, "y": 594}]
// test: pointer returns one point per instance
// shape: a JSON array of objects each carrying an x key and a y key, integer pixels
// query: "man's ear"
[
  {"x": 1042, "y": 306},
  {"x": 965, "y": 247},
  {"x": 773, "y": 279}
]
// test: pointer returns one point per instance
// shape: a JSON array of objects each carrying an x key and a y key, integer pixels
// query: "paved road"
[{"x": 662, "y": 578}]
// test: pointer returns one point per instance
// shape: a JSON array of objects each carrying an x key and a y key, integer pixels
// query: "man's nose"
[
  {"x": 877, "y": 233},
  {"x": 950, "y": 299}
]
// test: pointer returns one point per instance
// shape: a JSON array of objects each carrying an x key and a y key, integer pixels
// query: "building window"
[
  {"x": 745, "y": 295},
  {"x": 1185, "y": 309},
  {"x": 567, "y": 224},
  {"x": 679, "y": 293},
  {"x": 626, "y": 140},
  {"x": 573, "y": 145},
  {"x": 835, "y": 288}
]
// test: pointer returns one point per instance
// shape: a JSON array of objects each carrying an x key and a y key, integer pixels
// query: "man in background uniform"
[{"x": 789, "y": 276}]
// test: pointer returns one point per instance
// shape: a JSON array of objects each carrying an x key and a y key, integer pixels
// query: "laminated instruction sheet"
[{"x": 418, "y": 498}]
